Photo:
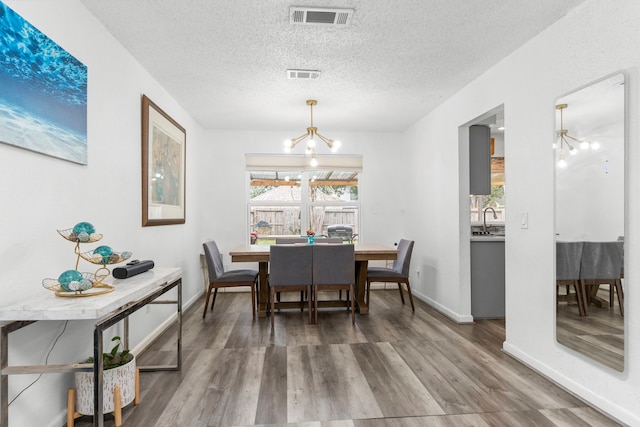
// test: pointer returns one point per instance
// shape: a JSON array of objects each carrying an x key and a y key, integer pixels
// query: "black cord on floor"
[{"x": 46, "y": 360}]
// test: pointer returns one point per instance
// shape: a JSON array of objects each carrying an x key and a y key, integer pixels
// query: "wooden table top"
[{"x": 363, "y": 252}]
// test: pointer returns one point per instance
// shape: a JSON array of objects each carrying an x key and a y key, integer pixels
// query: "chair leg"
[
  {"x": 213, "y": 301},
  {"x": 620, "y": 293},
  {"x": 367, "y": 292},
  {"x": 257, "y": 294},
  {"x": 401, "y": 295},
  {"x": 315, "y": 304},
  {"x": 612, "y": 287},
  {"x": 585, "y": 297},
  {"x": 353, "y": 305},
  {"x": 309, "y": 303},
  {"x": 413, "y": 308},
  {"x": 272, "y": 298},
  {"x": 253, "y": 300},
  {"x": 206, "y": 303},
  {"x": 579, "y": 299}
]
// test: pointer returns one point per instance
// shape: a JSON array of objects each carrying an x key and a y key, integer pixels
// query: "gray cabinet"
[
  {"x": 487, "y": 279},
  {"x": 479, "y": 160}
]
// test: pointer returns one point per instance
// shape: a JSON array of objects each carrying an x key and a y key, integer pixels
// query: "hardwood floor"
[
  {"x": 393, "y": 368},
  {"x": 600, "y": 335}
]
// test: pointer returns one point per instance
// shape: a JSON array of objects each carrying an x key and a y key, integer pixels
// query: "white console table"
[{"x": 108, "y": 309}]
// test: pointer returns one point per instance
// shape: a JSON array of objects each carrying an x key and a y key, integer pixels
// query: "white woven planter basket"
[{"x": 123, "y": 376}]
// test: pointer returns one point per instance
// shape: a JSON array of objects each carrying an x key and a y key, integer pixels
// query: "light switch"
[{"x": 524, "y": 220}]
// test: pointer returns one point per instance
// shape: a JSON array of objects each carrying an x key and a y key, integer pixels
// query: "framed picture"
[
  {"x": 163, "y": 167},
  {"x": 43, "y": 100}
]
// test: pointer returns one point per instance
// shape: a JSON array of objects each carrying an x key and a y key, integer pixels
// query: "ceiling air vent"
[
  {"x": 320, "y": 16},
  {"x": 303, "y": 74}
]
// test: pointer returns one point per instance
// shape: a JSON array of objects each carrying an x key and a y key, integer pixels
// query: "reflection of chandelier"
[
  {"x": 312, "y": 132},
  {"x": 564, "y": 139}
]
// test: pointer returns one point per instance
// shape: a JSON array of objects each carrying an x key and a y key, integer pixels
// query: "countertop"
[{"x": 488, "y": 238}]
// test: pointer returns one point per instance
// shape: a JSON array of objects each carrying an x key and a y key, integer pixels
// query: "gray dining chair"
[
  {"x": 568, "y": 257},
  {"x": 334, "y": 269},
  {"x": 291, "y": 270},
  {"x": 398, "y": 273},
  {"x": 218, "y": 278},
  {"x": 601, "y": 264}
]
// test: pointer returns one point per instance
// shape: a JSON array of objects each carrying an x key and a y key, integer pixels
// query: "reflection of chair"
[
  {"x": 333, "y": 269},
  {"x": 290, "y": 240},
  {"x": 218, "y": 278},
  {"x": 398, "y": 273},
  {"x": 291, "y": 270},
  {"x": 601, "y": 265},
  {"x": 568, "y": 256}
]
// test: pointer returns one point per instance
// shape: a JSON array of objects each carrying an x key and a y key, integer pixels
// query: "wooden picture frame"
[{"x": 163, "y": 167}]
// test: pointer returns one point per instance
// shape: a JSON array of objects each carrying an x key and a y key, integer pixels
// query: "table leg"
[
  {"x": 361, "y": 284},
  {"x": 263, "y": 289}
]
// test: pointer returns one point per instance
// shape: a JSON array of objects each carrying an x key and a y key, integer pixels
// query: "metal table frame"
[{"x": 121, "y": 314}]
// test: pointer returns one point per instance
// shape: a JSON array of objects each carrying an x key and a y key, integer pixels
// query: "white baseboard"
[
  {"x": 596, "y": 401},
  {"x": 456, "y": 317}
]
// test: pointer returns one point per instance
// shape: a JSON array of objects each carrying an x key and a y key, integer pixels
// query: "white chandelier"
[
  {"x": 564, "y": 140},
  {"x": 312, "y": 133}
]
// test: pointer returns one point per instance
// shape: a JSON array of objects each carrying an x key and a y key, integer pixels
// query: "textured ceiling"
[{"x": 225, "y": 61}]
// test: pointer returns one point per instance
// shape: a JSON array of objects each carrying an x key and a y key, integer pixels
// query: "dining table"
[{"x": 364, "y": 252}]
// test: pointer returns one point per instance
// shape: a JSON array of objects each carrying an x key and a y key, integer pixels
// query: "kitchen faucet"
[{"x": 484, "y": 218}]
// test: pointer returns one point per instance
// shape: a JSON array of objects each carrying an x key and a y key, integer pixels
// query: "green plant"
[{"x": 113, "y": 359}]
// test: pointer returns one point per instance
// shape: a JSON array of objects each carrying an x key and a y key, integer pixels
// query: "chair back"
[
  {"x": 401, "y": 264},
  {"x": 600, "y": 260},
  {"x": 334, "y": 264},
  {"x": 290, "y": 240},
  {"x": 290, "y": 265},
  {"x": 568, "y": 257},
  {"x": 214, "y": 260}
]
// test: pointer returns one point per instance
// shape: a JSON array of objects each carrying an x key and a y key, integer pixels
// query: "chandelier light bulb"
[
  {"x": 573, "y": 151},
  {"x": 595, "y": 145},
  {"x": 584, "y": 145},
  {"x": 314, "y": 161},
  {"x": 562, "y": 163},
  {"x": 335, "y": 146},
  {"x": 311, "y": 143}
]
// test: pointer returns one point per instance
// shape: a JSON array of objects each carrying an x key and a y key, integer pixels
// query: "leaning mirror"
[{"x": 589, "y": 220}]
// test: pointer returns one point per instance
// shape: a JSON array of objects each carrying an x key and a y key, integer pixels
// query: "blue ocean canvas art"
[{"x": 43, "y": 92}]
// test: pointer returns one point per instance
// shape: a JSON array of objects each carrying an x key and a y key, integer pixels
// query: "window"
[{"x": 288, "y": 201}]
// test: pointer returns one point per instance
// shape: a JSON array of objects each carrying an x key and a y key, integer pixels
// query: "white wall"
[
  {"x": 40, "y": 194},
  {"x": 224, "y": 194},
  {"x": 589, "y": 43}
]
